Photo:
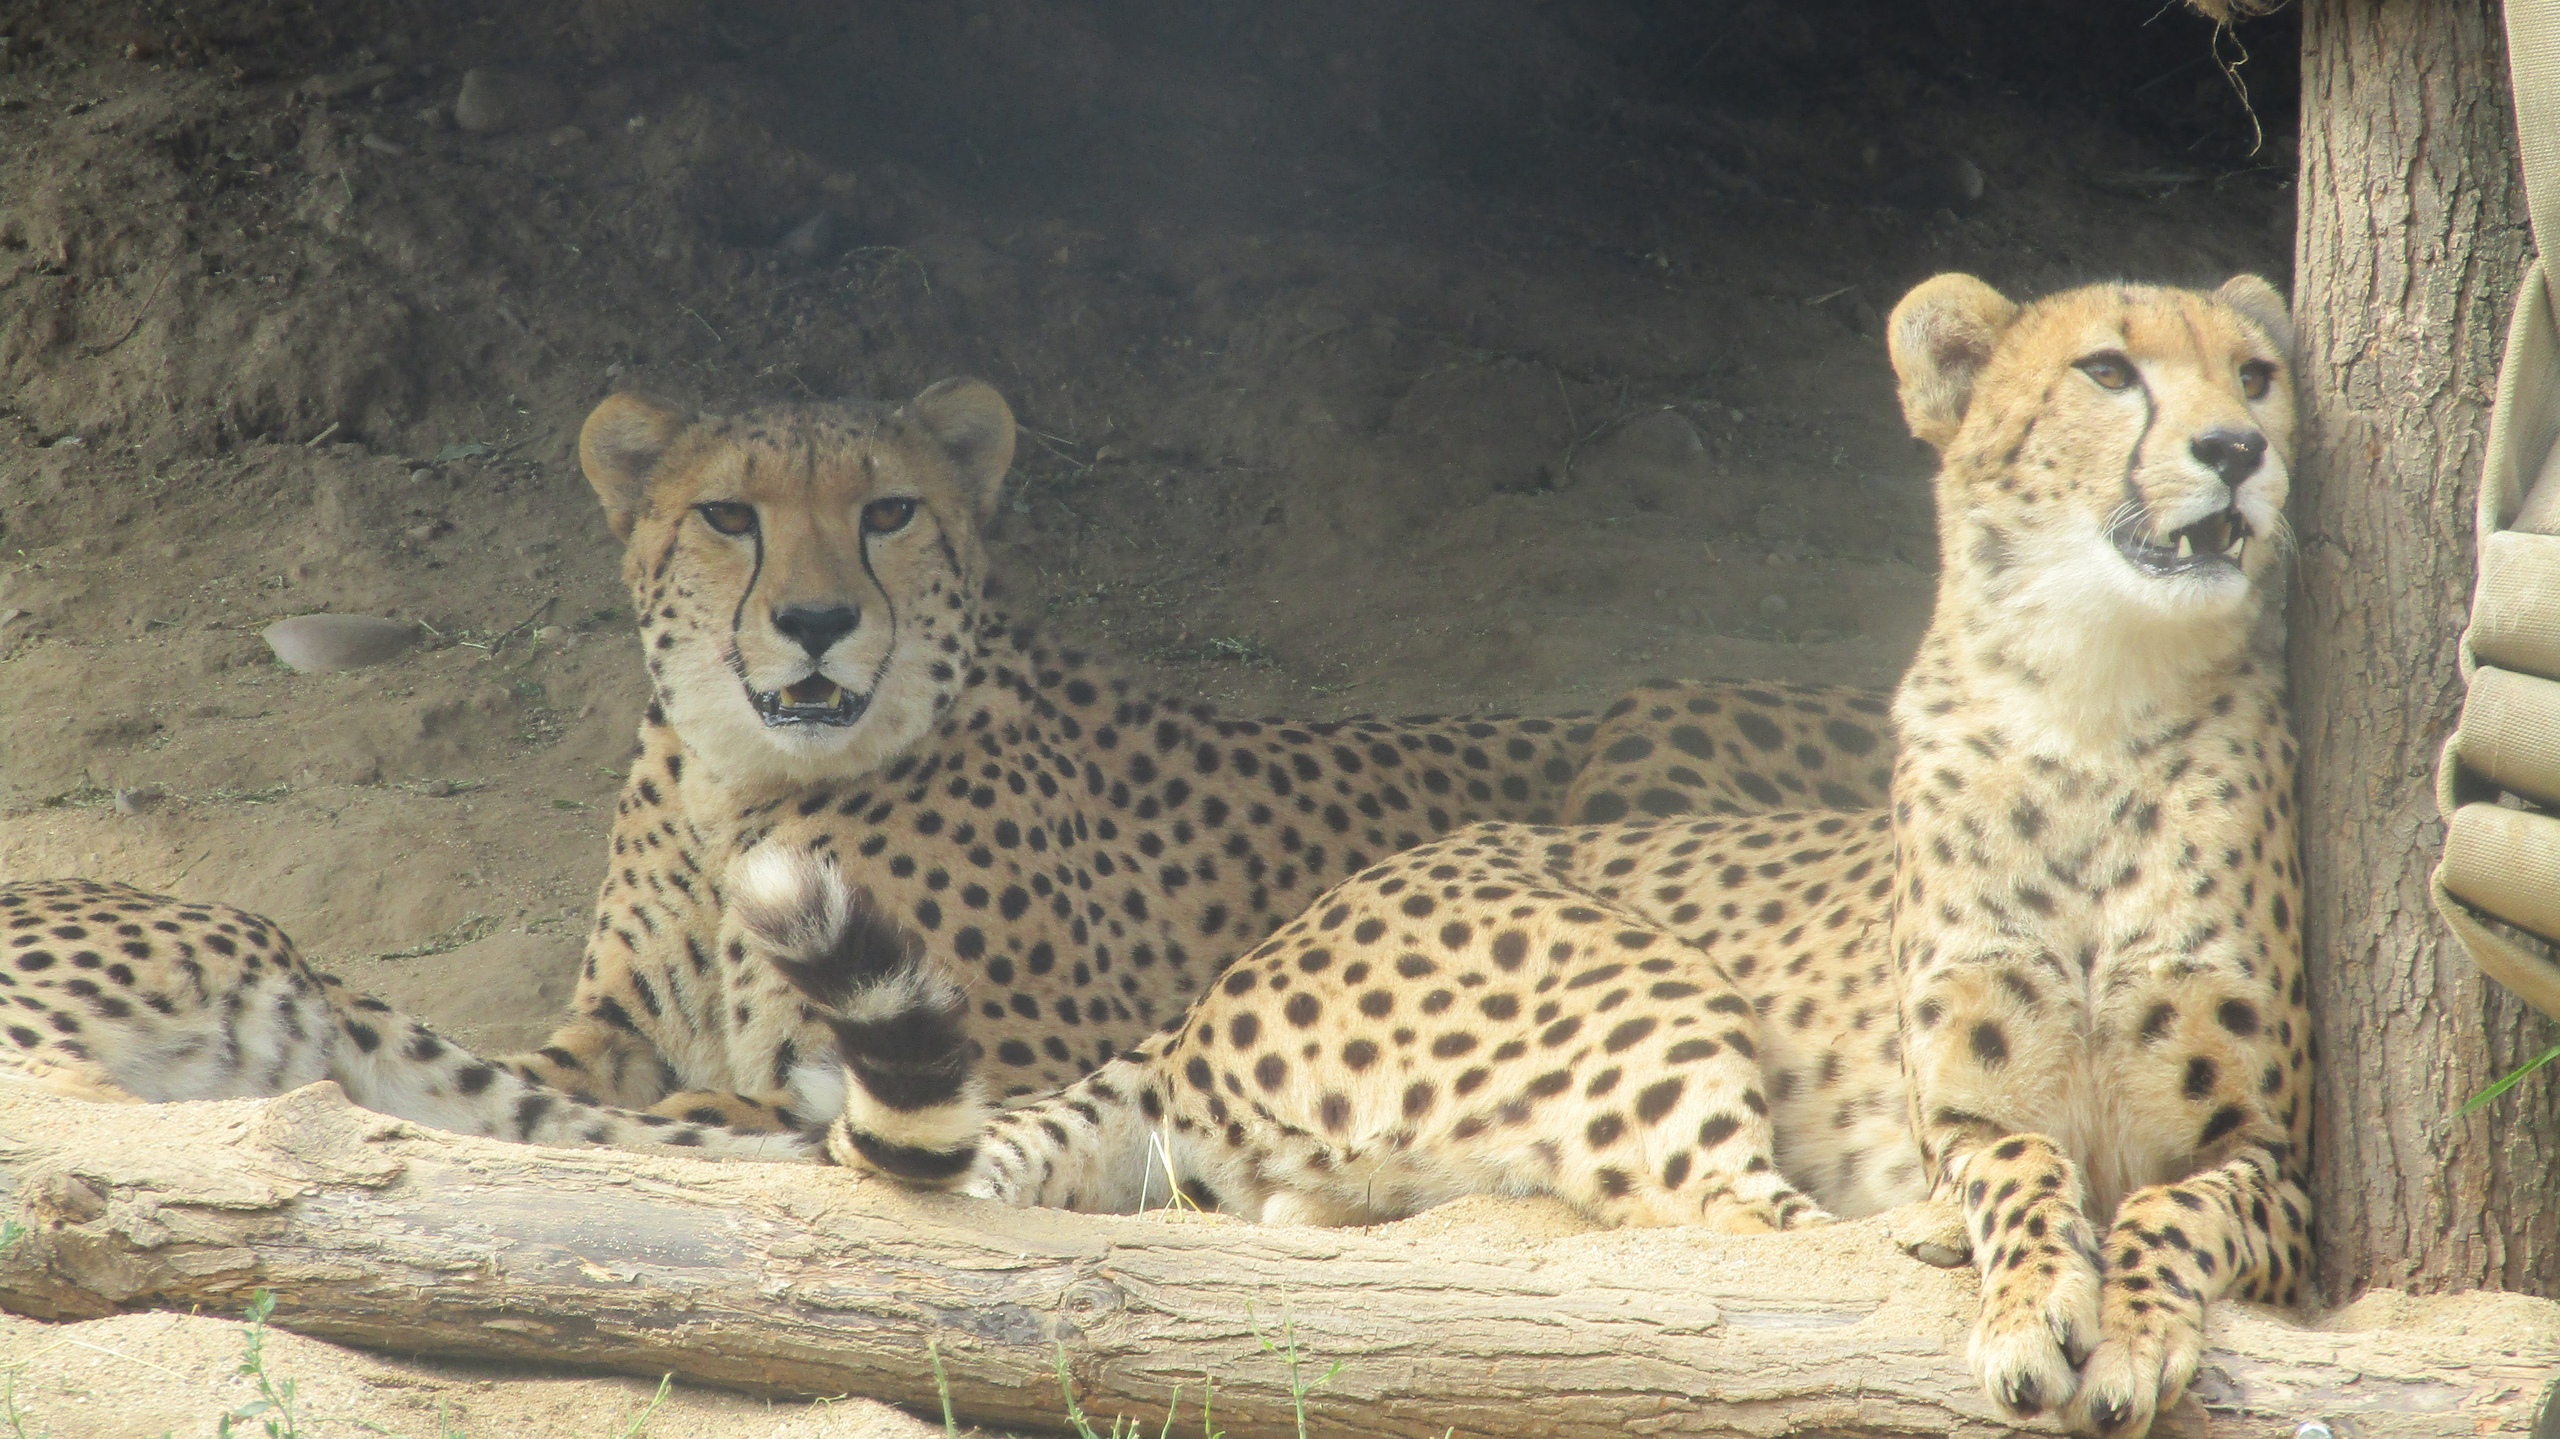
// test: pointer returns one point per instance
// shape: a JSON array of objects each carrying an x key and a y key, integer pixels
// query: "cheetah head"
[
  {"x": 807, "y": 577},
  {"x": 2114, "y": 452}
]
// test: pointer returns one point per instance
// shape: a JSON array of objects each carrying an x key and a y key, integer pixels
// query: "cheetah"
[
  {"x": 829, "y": 674},
  {"x": 1668, "y": 748},
  {"x": 113, "y": 994},
  {"x": 2056, "y": 984},
  {"x": 831, "y": 668}
]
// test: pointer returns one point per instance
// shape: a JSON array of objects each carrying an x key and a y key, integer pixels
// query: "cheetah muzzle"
[
  {"x": 816, "y": 700},
  {"x": 2217, "y": 544}
]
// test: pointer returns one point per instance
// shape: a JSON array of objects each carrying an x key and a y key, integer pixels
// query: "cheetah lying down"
[
  {"x": 2057, "y": 983},
  {"x": 828, "y": 672}
]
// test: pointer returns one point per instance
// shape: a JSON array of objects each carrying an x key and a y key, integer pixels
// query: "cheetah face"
[
  {"x": 807, "y": 578},
  {"x": 2112, "y": 450}
]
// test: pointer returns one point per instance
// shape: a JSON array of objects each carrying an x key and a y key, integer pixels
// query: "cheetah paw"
[
  {"x": 1786, "y": 1209},
  {"x": 2034, "y": 1335},
  {"x": 2128, "y": 1381}
]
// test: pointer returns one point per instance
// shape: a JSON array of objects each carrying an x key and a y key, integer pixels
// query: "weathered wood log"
[{"x": 796, "y": 1281}]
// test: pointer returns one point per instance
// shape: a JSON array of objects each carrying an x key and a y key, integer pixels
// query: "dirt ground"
[{"x": 1384, "y": 357}]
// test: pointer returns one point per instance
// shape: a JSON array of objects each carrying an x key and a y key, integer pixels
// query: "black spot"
[
  {"x": 1990, "y": 1045},
  {"x": 1657, "y": 1100},
  {"x": 1630, "y": 1033}
]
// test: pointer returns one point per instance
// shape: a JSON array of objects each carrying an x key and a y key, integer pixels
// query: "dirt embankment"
[{"x": 1371, "y": 357}]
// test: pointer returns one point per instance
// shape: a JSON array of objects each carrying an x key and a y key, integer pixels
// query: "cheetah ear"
[
  {"x": 2259, "y": 304},
  {"x": 620, "y": 446},
  {"x": 974, "y": 426},
  {"x": 1940, "y": 337}
]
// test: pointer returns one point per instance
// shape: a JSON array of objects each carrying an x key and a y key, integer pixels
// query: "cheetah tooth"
[
  {"x": 2239, "y": 547},
  {"x": 2186, "y": 546}
]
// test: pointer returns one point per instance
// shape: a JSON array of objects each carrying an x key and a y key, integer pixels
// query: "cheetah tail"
[{"x": 914, "y": 1108}]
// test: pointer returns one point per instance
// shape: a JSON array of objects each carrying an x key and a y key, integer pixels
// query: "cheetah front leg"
[
  {"x": 1976, "y": 1036},
  {"x": 2174, "y": 1249}
]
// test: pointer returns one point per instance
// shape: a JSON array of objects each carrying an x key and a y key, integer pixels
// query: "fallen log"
[{"x": 791, "y": 1281}]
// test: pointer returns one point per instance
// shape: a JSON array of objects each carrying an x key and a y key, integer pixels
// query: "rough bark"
[
  {"x": 2412, "y": 239},
  {"x": 795, "y": 1281}
]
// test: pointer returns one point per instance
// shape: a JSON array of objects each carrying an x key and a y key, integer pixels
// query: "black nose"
[
  {"x": 817, "y": 627},
  {"x": 2233, "y": 454}
]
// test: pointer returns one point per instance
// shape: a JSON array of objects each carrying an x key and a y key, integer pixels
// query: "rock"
[
  {"x": 346, "y": 82},
  {"x": 130, "y": 802},
  {"x": 812, "y": 239},
  {"x": 1773, "y": 605},
  {"x": 496, "y": 101},
  {"x": 568, "y": 135},
  {"x": 1934, "y": 182},
  {"x": 1655, "y": 459},
  {"x": 312, "y": 643}
]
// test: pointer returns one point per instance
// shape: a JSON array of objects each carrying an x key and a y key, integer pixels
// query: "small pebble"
[
  {"x": 312, "y": 643},
  {"x": 421, "y": 475},
  {"x": 1773, "y": 604},
  {"x": 547, "y": 634},
  {"x": 130, "y": 802},
  {"x": 346, "y": 82},
  {"x": 568, "y": 135},
  {"x": 811, "y": 239}
]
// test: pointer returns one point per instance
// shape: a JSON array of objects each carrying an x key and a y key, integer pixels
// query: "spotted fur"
[
  {"x": 1084, "y": 852},
  {"x": 2057, "y": 984},
  {"x": 113, "y": 994}
]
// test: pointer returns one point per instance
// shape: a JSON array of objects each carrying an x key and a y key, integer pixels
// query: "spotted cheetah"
[
  {"x": 828, "y": 672},
  {"x": 110, "y": 993},
  {"x": 1667, "y": 749},
  {"x": 829, "y": 668},
  {"x": 2057, "y": 984}
]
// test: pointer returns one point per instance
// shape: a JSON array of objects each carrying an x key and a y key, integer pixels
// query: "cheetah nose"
[
  {"x": 817, "y": 627},
  {"x": 2233, "y": 454}
]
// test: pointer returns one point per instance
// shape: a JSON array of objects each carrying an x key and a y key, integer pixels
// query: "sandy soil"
[{"x": 1371, "y": 358}]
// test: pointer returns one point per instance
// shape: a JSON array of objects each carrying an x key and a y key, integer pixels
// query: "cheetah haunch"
[
  {"x": 2057, "y": 984},
  {"x": 829, "y": 676}
]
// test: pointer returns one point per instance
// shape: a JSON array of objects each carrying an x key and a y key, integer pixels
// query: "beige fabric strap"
[
  {"x": 2533, "y": 65},
  {"x": 2498, "y": 886}
]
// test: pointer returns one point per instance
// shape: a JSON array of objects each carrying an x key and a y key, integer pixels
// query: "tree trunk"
[
  {"x": 2412, "y": 242},
  {"x": 786, "y": 1280}
]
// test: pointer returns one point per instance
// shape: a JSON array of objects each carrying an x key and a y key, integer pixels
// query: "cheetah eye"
[
  {"x": 729, "y": 517},
  {"x": 887, "y": 517},
  {"x": 2110, "y": 370},
  {"x": 2256, "y": 378}
]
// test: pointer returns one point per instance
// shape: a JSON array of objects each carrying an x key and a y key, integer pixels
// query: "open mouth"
[
  {"x": 815, "y": 700},
  {"x": 2214, "y": 544}
]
